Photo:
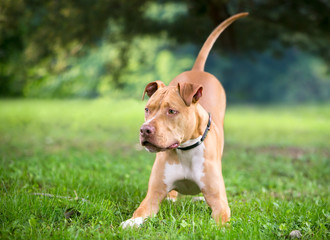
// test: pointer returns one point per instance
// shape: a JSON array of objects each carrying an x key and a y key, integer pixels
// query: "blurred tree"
[
  {"x": 48, "y": 33},
  {"x": 34, "y": 30},
  {"x": 301, "y": 23}
]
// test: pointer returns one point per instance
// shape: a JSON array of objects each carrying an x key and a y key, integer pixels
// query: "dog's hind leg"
[{"x": 172, "y": 196}]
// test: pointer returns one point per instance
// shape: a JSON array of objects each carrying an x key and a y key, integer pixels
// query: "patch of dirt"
[{"x": 290, "y": 152}]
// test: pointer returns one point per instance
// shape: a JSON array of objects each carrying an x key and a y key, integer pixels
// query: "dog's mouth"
[{"x": 154, "y": 148}]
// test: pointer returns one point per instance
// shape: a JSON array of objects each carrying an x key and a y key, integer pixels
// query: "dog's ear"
[
  {"x": 152, "y": 87},
  {"x": 190, "y": 92}
]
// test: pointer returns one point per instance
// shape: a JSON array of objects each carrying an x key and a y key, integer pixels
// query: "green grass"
[{"x": 276, "y": 169}]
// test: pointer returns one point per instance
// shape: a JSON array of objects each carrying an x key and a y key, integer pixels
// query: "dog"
[{"x": 184, "y": 126}]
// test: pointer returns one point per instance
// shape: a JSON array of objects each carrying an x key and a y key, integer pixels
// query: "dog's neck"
[{"x": 203, "y": 120}]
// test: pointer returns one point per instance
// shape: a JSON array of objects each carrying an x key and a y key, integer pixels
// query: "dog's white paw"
[
  {"x": 196, "y": 199},
  {"x": 171, "y": 199},
  {"x": 132, "y": 222}
]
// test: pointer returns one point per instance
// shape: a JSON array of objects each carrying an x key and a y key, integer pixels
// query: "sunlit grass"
[
  {"x": 276, "y": 169},
  {"x": 305, "y": 126}
]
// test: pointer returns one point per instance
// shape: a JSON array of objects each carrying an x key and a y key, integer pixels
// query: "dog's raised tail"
[{"x": 204, "y": 52}]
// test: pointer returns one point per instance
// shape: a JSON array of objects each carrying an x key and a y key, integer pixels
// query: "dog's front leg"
[
  {"x": 156, "y": 193},
  {"x": 215, "y": 195}
]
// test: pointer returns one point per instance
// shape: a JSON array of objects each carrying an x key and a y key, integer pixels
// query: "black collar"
[{"x": 200, "y": 140}]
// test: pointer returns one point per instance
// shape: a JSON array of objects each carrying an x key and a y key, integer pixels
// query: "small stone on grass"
[{"x": 295, "y": 234}]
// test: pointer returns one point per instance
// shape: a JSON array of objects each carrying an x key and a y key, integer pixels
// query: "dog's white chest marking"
[{"x": 185, "y": 177}]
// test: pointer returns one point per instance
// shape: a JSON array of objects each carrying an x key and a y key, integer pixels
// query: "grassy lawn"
[{"x": 276, "y": 169}]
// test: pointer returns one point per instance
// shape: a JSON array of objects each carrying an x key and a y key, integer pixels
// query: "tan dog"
[{"x": 188, "y": 143}]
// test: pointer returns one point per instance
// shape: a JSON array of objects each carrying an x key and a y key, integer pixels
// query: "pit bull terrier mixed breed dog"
[{"x": 184, "y": 125}]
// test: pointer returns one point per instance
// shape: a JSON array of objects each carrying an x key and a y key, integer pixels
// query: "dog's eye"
[
  {"x": 146, "y": 110},
  {"x": 171, "y": 112}
]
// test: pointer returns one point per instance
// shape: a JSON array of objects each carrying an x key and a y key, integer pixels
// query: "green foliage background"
[{"x": 86, "y": 49}]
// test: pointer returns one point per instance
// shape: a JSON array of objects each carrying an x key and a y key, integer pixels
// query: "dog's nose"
[{"x": 147, "y": 130}]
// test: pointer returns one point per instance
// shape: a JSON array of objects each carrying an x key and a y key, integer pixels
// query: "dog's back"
[{"x": 214, "y": 97}]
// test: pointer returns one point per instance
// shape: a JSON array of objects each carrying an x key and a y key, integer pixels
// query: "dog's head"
[{"x": 170, "y": 114}]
